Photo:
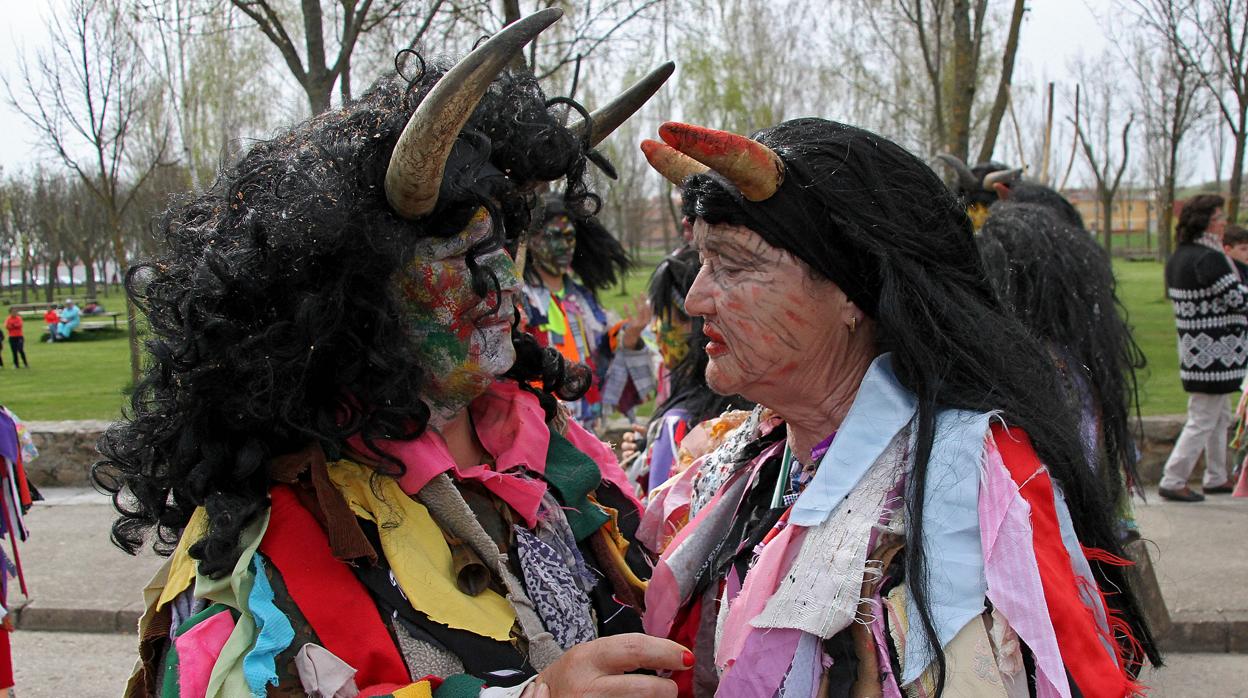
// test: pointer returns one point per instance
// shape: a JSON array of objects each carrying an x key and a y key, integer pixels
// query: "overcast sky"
[{"x": 1054, "y": 33}]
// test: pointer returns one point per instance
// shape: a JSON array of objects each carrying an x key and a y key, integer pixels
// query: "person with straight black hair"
[{"x": 910, "y": 511}]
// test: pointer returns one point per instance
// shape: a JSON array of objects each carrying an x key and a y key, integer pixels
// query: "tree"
[
  {"x": 1101, "y": 109},
  {"x": 316, "y": 70},
  {"x": 206, "y": 64},
  {"x": 953, "y": 47},
  {"x": 1165, "y": 67},
  {"x": 1224, "y": 70},
  {"x": 84, "y": 98}
]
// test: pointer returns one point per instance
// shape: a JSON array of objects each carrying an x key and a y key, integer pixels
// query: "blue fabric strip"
[
  {"x": 880, "y": 410},
  {"x": 273, "y": 633},
  {"x": 951, "y": 540}
]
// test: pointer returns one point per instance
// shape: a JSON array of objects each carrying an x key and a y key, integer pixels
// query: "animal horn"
[
  {"x": 608, "y": 118},
  {"x": 966, "y": 179},
  {"x": 414, "y": 175},
  {"x": 674, "y": 165},
  {"x": 752, "y": 167},
  {"x": 1006, "y": 177}
]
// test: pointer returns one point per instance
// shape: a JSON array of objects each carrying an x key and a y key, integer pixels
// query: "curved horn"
[
  {"x": 674, "y": 165},
  {"x": 966, "y": 179},
  {"x": 419, "y": 158},
  {"x": 752, "y": 167},
  {"x": 608, "y": 118},
  {"x": 1006, "y": 177}
]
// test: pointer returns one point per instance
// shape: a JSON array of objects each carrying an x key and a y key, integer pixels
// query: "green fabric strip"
[
  {"x": 573, "y": 475},
  {"x": 200, "y": 617},
  {"x": 459, "y": 686},
  {"x": 227, "y": 674},
  {"x": 170, "y": 687}
]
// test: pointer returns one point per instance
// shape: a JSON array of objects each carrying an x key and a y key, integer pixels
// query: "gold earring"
[{"x": 853, "y": 323}]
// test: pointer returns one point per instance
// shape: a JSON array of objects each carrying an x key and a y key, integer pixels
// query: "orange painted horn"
[
  {"x": 752, "y": 167},
  {"x": 674, "y": 165}
]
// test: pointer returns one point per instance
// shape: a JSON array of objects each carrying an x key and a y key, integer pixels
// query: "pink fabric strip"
[
  {"x": 608, "y": 464},
  {"x": 512, "y": 427},
  {"x": 1012, "y": 573},
  {"x": 762, "y": 664},
  {"x": 198, "y": 650},
  {"x": 760, "y": 584},
  {"x": 668, "y": 504}
]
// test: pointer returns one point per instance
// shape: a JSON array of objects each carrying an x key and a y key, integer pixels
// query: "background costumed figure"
[{"x": 571, "y": 257}]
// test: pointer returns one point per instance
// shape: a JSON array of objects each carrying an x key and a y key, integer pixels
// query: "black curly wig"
[
  {"x": 864, "y": 213},
  {"x": 274, "y": 322}
]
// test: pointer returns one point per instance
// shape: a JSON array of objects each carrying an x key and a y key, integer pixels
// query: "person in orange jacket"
[
  {"x": 17, "y": 342},
  {"x": 52, "y": 319}
]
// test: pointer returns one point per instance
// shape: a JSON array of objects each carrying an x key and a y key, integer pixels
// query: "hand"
[
  {"x": 636, "y": 322},
  {"x": 632, "y": 441},
  {"x": 600, "y": 668}
]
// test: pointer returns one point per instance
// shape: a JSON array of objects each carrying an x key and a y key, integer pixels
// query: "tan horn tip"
[
  {"x": 675, "y": 166},
  {"x": 611, "y": 116},
  {"x": 756, "y": 170}
]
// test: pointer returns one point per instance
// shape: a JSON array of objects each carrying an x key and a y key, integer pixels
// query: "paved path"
[{"x": 80, "y": 582}]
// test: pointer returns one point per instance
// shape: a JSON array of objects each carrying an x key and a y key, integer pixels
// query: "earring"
[{"x": 853, "y": 324}]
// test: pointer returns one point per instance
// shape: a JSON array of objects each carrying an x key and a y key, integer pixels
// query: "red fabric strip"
[
  {"x": 1096, "y": 674},
  {"x": 333, "y": 600}
]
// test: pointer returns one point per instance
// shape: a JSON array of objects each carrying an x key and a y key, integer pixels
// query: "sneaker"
[
  {"x": 1224, "y": 488},
  {"x": 1181, "y": 495}
]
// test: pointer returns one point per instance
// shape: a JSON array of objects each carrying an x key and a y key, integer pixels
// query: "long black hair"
[
  {"x": 862, "y": 212},
  {"x": 1060, "y": 283},
  {"x": 274, "y": 321},
  {"x": 599, "y": 260}
]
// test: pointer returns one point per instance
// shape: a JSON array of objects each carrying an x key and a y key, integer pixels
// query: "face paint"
[
  {"x": 464, "y": 340},
  {"x": 769, "y": 319},
  {"x": 553, "y": 246},
  {"x": 673, "y": 340}
]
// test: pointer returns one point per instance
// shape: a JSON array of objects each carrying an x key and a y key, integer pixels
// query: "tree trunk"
[
  {"x": 1107, "y": 222},
  {"x": 1003, "y": 89},
  {"x": 25, "y": 280},
  {"x": 89, "y": 265},
  {"x": 963, "y": 88},
  {"x": 73, "y": 285},
  {"x": 49, "y": 282},
  {"x": 1237, "y": 167}
]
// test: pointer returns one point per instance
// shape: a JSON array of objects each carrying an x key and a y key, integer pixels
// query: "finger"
[
  {"x": 543, "y": 691},
  {"x": 633, "y": 686},
  {"x": 619, "y": 654}
]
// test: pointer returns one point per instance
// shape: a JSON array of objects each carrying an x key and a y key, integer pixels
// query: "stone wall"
[
  {"x": 66, "y": 452},
  {"x": 67, "y": 449}
]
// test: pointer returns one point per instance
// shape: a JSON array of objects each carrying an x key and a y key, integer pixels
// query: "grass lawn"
[
  {"x": 79, "y": 379},
  {"x": 85, "y": 378},
  {"x": 1141, "y": 289}
]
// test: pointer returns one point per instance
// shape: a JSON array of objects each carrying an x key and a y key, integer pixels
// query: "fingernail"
[{"x": 687, "y": 658}]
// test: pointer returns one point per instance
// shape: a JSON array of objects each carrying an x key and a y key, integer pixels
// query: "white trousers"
[{"x": 1208, "y": 420}]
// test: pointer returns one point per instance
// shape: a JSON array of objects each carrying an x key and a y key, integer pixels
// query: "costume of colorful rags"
[
  {"x": 444, "y": 581},
  {"x": 16, "y": 497},
  {"x": 574, "y": 322},
  {"x": 809, "y": 598}
]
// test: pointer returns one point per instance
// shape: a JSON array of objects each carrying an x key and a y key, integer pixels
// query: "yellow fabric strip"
[
  {"x": 182, "y": 567},
  {"x": 418, "y": 554},
  {"x": 416, "y": 690}
]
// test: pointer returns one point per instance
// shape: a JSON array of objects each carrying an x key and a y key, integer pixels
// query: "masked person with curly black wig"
[
  {"x": 910, "y": 510},
  {"x": 355, "y": 464},
  {"x": 572, "y": 257}
]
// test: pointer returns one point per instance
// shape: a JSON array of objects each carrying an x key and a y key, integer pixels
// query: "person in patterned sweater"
[{"x": 1209, "y": 314}]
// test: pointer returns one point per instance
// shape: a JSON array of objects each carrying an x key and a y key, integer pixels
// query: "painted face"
[
  {"x": 464, "y": 340},
  {"x": 770, "y": 321},
  {"x": 552, "y": 248},
  {"x": 673, "y": 338}
]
